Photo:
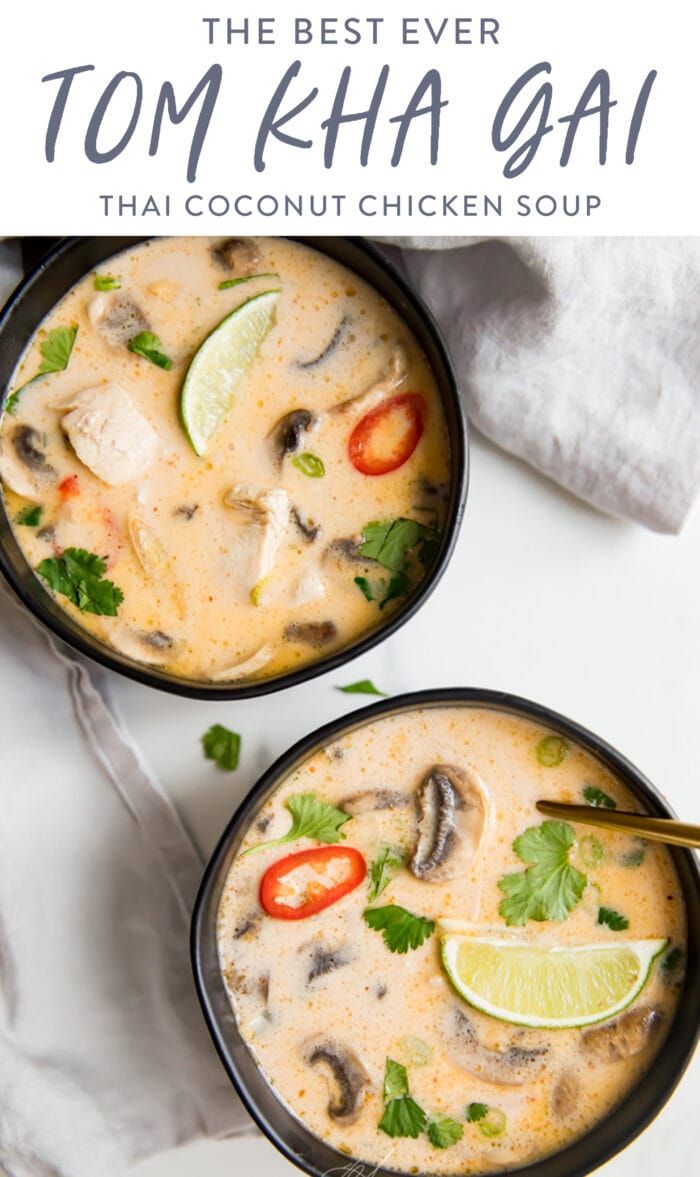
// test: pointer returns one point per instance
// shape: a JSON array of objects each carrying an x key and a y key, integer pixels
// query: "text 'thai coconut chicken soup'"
[
  {"x": 226, "y": 459},
  {"x": 431, "y": 977}
]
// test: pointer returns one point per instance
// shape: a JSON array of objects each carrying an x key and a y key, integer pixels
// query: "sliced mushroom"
[
  {"x": 565, "y": 1095},
  {"x": 323, "y": 960},
  {"x": 153, "y": 647},
  {"x": 626, "y": 1036},
  {"x": 510, "y": 1067},
  {"x": 335, "y": 340},
  {"x": 23, "y": 465},
  {"x": 312, "y": 633},
  {"x": 109, "y": 434},
  {"x": 239, "y": 255},
  {"x": 306, "y": 528},
  {"x": 387, "y": 385},
  {"x": 347, "y": 1078},
  {"x": 452, "y": 811},
  {"x": 117, "y": 317},
  {"x": 287, "y": 436},
  {"x": 248, "y": 926},
  {"x": 186, "y": 511},
  {"x": 370, "y": 800},
  {"x": 248, "y": 666}
]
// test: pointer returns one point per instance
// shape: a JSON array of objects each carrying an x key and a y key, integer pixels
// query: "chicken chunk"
[
  {"x": 109, "y": 434},
  {"x": 264, "y": 515}
]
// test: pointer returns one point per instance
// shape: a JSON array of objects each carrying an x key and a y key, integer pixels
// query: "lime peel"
[{"x": 561, "y": 987}]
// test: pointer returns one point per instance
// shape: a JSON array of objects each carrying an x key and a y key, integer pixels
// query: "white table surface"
[{"x": 544, "y": 597}]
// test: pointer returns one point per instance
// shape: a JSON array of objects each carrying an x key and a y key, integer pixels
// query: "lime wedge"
[
  {"x": 220, "y": 364},
  {"x": 554, "y": 988}
]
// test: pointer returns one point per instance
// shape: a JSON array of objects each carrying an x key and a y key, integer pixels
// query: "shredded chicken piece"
[
  {"x": 388, "y": 384},
  {"x": 109, "y": 434},
  {"x": 266, "y": 514}
]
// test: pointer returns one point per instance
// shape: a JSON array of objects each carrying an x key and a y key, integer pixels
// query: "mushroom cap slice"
[
  {"x": 23, "y": 465},
  {"x": 513, "y": 1065},
  {"x": 625, "y": 1036},
  {"x": 346, "y": 1076},
  {"x": 453, "y": 810}
]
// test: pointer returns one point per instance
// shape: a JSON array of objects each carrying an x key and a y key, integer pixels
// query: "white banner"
[{"x": 431, "y": 119}]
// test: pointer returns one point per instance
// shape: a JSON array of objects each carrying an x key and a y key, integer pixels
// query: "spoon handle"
[{"x": 654, "y": 829}]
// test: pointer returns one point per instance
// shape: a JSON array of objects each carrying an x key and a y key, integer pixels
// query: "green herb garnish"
[
  {"x": 613, "y": 919},
  {"x": 309, "y": 464},
  {"x": 591, "y": 850},
  {"x": 476, "y": 1112},
  {"x": 382, "y": 591},
  {"x": 492, "y": 1124},
  {"x": 634, "y": 857},
  {"x": 671, "y": 964},
  {"x": 443, "y": 1131},
  {"x": 106, "y": 282},
  {"x": 402, "y": 1115},
  {"x": 30, "y": 516},
  {"x": 400, "y": 928},
  {"x": 55, "y": 353},
  {"x": 595, "y": 796},
  {"x": 229, "y": 283},
  {"x": 551, "y": 750},
  {"x": 364, "y": 687},
  {"x": 311, "y": 818},
  {"x": 382, "y": 870},
  {"x": 79, "y": 576},
  {"x": 390, "y": 541},
  {"x": 222, "y": 746},
  {"x": 551, "y": 887},
  {"x": 147, "y": 344}
]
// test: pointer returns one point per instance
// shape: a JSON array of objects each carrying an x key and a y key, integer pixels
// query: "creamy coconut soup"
[
  {"x": 430, "y": 975},
  {"x": 226, "y": 458}
]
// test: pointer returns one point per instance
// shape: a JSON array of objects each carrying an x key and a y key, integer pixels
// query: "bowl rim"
[
  {"x": 456, "y": 423},
  {"x": 620, "y": 1126}
]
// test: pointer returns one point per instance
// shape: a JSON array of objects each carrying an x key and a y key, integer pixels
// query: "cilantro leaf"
[
  {"x": 106, "y": 282},
  {"x": 382, "y": 870},
  {"x": 403, "y": 1117},
  {"x": 311, "y": 818},
  {"x": 390, "y": 540},
  {"x": 400, "y": 928},
  {"x": 147, "y": 344},
  {"x": 78, "y": 575},
  {"x": 550, "y": 888},
  {"x": 223, "y": 746},
  {"x": 595, "y": 796},
  {"x": 476, "y": 1112},
  {"x": 607, "y": 915},
  {"x": 364, "y": 687},
  {"x": 362, "y": 583},
  {"x": 443, "y": 1131},
  {"x": 671, "y": 964},
  {"x": 30, "y": 516},
  {"x": 395, "y": 1080},
  {"x": 55, "y": 353}
]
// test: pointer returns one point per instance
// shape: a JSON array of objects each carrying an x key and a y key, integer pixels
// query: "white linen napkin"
[
  {"x": 580, "y": 355},
  {"x": 104, "y": 1057}
]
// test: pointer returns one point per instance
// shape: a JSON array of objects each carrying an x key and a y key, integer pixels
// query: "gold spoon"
[{"x": 654, "y": 829}]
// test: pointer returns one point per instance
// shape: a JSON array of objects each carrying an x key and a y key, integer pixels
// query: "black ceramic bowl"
[
  {"x": 55, "y": 274},
  {"x": 285, "y": 1131}
]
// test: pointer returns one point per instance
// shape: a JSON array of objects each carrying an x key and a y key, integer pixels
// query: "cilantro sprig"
[
  {"x": 364, "y": 687},
  {"x": 551, "y": 887},
  {"x": 394, "y": 543},
  {"x": 402, "y": 1115},
  {"x": 400, "y": 928},
  {"x": 311, "y": 818},
  {"x": 614, "y": 919},
  {"x": 595, "y": 796},
  {"x": 223, "y": 746},
  {"x": 382, "y": 870},
  {"x": 148, "y": 345},
  {"x": 30, "y": 516},
  {"x": 55, "y": 353},
  {"x": 443, "y": 1131},
  {"x": 79, "y": 576}
]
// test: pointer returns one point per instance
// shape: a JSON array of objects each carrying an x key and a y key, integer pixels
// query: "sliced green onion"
[
  {"x": 309, "y": 464},
  {"x": 493, "y": 1124},
  {"x": 591, "y": 850},
  {"x": 551, "y": 751},
  {"x": 231, "y": 282}
]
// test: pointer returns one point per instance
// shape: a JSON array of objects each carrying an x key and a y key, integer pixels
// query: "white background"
[
  {"x": 544, "y": 597},
  {"x": 161, "y": 40}
]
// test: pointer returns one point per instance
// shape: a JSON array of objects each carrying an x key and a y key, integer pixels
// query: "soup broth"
[
  {"x": 344, "y": 1018},
  {"x": 256, "y": 547}
]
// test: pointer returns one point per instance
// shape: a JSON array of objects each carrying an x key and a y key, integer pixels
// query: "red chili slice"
[
  {"x": 381, "y": 441},
  {"x": 69, "y": 488},
  {"x": 285, "y": 898}
]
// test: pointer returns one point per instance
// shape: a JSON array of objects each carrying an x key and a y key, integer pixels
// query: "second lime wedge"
[
  {"x": 555, "y": 988},
  {"x": 221, "y": 363}
]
